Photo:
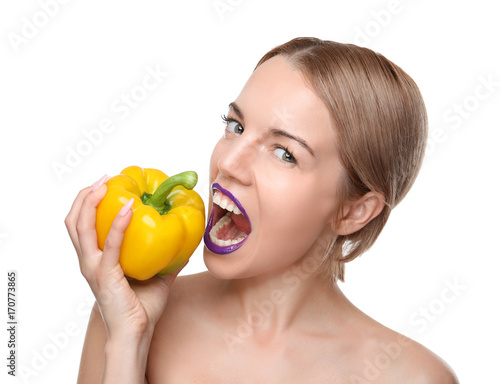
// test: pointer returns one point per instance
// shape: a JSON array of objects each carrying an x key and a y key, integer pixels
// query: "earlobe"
[{"x": 357, "y": 214}]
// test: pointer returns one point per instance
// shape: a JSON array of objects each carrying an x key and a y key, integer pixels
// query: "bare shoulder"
[
  {"x": 390, "y": 357},
  {"x": 189, "y": 300},
  {"x": 192, "y": 289},
  {"x": 419, "y": 365},
  {"x": 186, "y": 322}
]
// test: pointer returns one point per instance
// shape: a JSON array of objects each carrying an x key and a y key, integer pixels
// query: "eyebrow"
[
  {"x": 279, "y": 132},
  {"x": 236, "y": 110},
  {"x": 274, "y": 131}
]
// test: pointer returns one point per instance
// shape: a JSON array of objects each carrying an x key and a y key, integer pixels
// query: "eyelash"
[
  {"x": 226, "y": 120},
  {"x": 285, "y": 148}
]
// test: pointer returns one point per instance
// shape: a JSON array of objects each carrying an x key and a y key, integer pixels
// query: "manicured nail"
[
  {"x": 126, "y": 207},
  {"x": 99, "y": 183}
]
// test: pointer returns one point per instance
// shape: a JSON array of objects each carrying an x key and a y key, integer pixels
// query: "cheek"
[
  {"x": 291, "y": 226},
  {"x": 302, "y": 208}
]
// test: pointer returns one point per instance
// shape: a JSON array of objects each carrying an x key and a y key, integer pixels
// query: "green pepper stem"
[{"x": 158, "y": 201}]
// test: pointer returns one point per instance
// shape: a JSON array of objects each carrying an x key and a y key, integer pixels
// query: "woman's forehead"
[
  {"x": 278, "y": 89},
  {"x": 277, "y": 95}
]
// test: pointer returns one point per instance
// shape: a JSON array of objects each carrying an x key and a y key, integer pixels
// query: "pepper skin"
[{"x": 167, "y": 224}]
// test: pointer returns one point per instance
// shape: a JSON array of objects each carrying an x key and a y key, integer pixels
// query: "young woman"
[{"x": 324, "y": 140}]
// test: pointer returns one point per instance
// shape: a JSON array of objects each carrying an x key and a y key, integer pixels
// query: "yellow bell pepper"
[{"x": 167, "y": 223}]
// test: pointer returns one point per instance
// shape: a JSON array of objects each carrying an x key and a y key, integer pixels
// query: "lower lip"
[{"x": 206, "y": 238}]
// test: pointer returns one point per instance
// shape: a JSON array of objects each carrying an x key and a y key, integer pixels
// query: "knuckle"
[
  {"x": 80, "y": 228},
  {"x": 69, "y": 221},
  {"x": 115, "y": 237},
  {"x": 89, "y": 272},
  {"x": 111, "y": 243},
  {"x": 83, "y": 192},
  {"x": 86, "y": 274}
]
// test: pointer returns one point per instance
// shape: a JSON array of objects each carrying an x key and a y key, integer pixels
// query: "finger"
[
  {"x": 72, "y": 217},
  {"x": 112, "y": 246},
  {"x": 85, "y": 226},
  {"x": 74, "y": 213}
]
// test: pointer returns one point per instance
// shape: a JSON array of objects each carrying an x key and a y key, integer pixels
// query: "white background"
[{"x": 69, "y": 70}]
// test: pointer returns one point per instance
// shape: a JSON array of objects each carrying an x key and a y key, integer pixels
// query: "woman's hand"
[{"x": 128, "y": 307}]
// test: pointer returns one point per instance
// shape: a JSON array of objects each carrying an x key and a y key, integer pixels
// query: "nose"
[{"x": 236, "y": 160}]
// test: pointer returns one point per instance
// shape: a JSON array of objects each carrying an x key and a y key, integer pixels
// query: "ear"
[{"x": 356, "y": 214}]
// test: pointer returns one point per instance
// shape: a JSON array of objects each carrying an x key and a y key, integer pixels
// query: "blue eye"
[
  {"x": 284, "y": 155},
  {"x": 235, "y": 127}
]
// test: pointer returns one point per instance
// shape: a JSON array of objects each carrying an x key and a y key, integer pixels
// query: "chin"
[
  {"x": 228, "y": 266},
  {"x": 219, "y": 265}
]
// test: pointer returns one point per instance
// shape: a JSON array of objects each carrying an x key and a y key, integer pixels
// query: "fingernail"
[
  {"x": 99, "y": 182},
  {"x": 126, "y": 207}
]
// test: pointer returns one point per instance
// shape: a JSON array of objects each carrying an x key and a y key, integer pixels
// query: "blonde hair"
[{"x": 382, "y": 129}]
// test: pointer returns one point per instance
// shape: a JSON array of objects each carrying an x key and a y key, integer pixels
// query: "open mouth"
[{"x": 228, "y": 226}]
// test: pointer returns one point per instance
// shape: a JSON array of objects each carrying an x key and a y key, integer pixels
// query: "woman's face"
[{"x": 277, "y": 170}]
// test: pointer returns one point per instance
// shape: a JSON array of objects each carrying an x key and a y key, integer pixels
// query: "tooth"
[
  {"x": 223, "y": 204},
  {"x": 237, "y": 211},
  {"x": 230, "y": 206},
  {"x": 212, "y": 237},
  {"x": 216, "y": 199}
]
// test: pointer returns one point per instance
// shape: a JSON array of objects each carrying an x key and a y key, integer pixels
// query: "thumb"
[{"x": 112, "y": 246}]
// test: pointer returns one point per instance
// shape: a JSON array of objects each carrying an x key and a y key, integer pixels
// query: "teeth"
[
  {"x": 225, "y": 220},
  {"x": 217, "y": 198},
  {"x": 226, "y": 203},
  {"x": 223, "y": 204},
  {"x": 225, "y": 243}
]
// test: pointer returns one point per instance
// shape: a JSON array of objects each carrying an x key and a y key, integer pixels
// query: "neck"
[{"x": 296, "y": 296}]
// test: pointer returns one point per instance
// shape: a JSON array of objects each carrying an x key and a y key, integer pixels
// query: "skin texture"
[{"x": 263, "y": 314}]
